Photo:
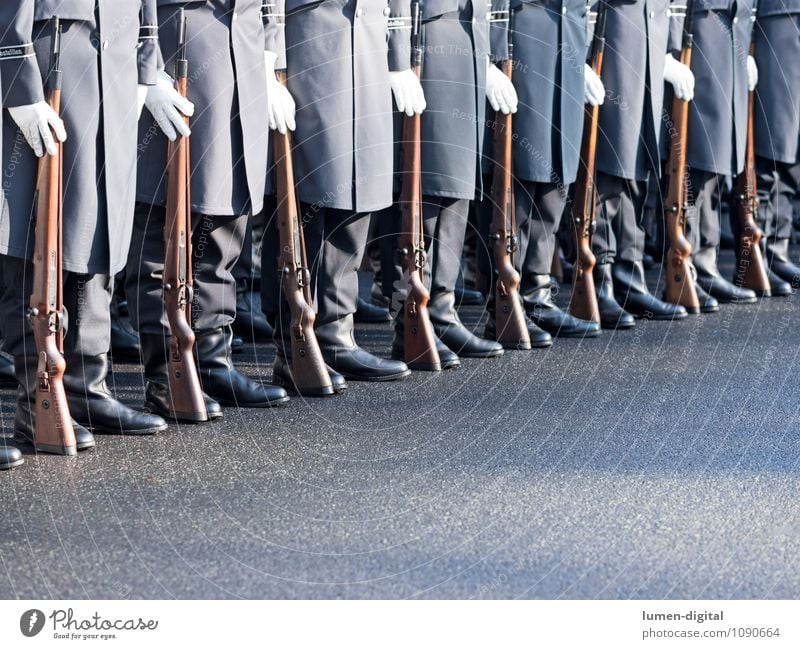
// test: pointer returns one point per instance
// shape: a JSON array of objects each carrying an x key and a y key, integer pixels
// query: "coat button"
[
  {"x": 359, "y": 12},
  {"x": 105, "y": 45},
  {"x": 652, "y": 14},
  {"x": 387, "y": 12},
  {"x": 735, "y": 19},
  {"x": 564, "y": 10}
]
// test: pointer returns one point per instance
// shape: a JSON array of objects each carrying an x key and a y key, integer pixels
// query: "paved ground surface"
[{"x": 656, "y": 463}]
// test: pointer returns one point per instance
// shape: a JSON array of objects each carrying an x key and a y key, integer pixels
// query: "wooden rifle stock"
[
  {"x": 309, "y": 372},
  {"x": 583, "y": 300},
  {"x": 186, "y": 393},
  {"x": 511, "y": 330},
  {"x": 750, "y": 270},
  {"x": 53, "y": 430},
  {"x": 679, "y": 282},
  {"x": 419, "y": 344}
]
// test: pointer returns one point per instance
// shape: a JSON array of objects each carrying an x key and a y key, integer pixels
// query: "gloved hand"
[
  {"x": 38, "y": 122},
  {"x": 407, "y": 91},
  {"x": 752, "y": 73},
  {"x": 680, "y": 77},
  {"x": 141, "y": 97},
  {"x": 594, "y": 92},
  {"x": 164, "y": 102},
  {"x": 499, "y": 90},
  {"x": 281, "y": 103}
]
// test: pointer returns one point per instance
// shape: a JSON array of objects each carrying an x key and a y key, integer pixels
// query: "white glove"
[
  {"x": 499, "y": 90},
  {"x": 281, "y": 103},
  {"x": 594, "y": 92},
  {"x": 752, "y": 73},
  {"x": 38, "y": 122},
  {"x": 141, "y": 97},
  {"x": 164, "y": 102},
  {"x": 680, "y": 77},
  {"x": 407, "y": 91}
]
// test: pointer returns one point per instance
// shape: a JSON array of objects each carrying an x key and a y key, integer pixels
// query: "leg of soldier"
[
  {"x": 703, "y": 229},
  {"x": 366, "y": 311},
  {"x": 604, "y": 246},
  {"x": 630, "y": 283},
  {"x": 336, "y": 241},
  {"x": 250, "y": 322},
  {"x": 216, "y": 244},
  {"x": 778, "y": 218},
  {"x": 768, "y": 183},
  {"x": 539, "y": 208},
  {"x": 445, "y": 223},
  {"x": 7, "y": 377}
]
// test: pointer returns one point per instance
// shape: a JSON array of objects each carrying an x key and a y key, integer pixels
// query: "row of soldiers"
[{"x": 349, "y": 82}]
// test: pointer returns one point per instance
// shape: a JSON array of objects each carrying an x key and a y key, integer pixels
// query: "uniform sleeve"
[
  {"x": 274, "y": 14},
  {"x": 499, "y": 12},
  {"x": 148, "y": 57},
  {"x": 399, "y": 35},
  {"x": 677, "y": 14},
  {"x": 21, "y": 80}
]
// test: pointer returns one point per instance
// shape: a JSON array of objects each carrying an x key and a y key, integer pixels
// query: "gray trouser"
[
  {"x": 538, "y": 209},
  {"x": 620, "y": 215},
  {"x": 703, "y": 215},
  {"x": 445, "y": 226},
  {"x": 216, "y": 245},
  {"x": 86, "y": 301},
  {"x": 777, "y": 187},
  {"x": 335, "y": 244}
]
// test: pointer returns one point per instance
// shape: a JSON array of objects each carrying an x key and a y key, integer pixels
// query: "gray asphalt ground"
[{"x": 656, "y": 463}]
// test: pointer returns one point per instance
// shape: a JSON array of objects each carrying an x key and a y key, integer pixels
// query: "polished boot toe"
[
  {"x": 466, "y": 344},
  {"x": 367, "y": 313},
  {"x": 708, "y": 304},
  {"x": 338, "y": 382},
  {"x": 10, "y": 457},
  {"x": 725, "y": 292},
  {"x": 558, "y": 323},
  {"x": 223, "y": 382},
  {"x": 778, "y": 286},
  {"x": 357, "y": 364}
]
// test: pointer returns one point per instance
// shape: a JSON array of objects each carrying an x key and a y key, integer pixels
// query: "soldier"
[
  {"x": 99, "y": 112},
  {"x": 228, "y": 78},
  {"x": 634, "y": 70},
  {"x": 777, "y": 128},
  {"x": 553, "y": 82},
  {"x": 342, "y": 70},
  {"x": 717, "y": 131}
]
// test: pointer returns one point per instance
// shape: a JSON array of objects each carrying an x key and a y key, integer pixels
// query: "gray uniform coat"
[
  {"x": 549, "y": 51},
  {"x": 456, "y": 36},
  {"x": 777, "y": 53},
  {"x": 102, "y": 61},
  {"x": 633, "y": 74},
  {"x": 227, "y": 83},
  {"x": 338, "y": 57},
  {"x": 718, "y": 113}
]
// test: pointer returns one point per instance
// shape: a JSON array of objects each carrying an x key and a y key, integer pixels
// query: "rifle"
[
  {"x": 583, "y": 301},
  {"x": 750, "y": 270},
  {"x": 53, "y": 430},
  {"x": 309, "y": 372},
  {"x": 419, "y": 344},
  {"x": 679, "y": 281},
  {"x": 511, "y": 330},
  {"x": 185, "y": 391}
]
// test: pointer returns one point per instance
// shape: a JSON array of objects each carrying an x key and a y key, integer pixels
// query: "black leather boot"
[
  {"x": 777, "y": 258},
  {"x": 341, "y": 353},
  {"x": 156, "y": 390},
  {"x": 367, "y": 313},
  {"x": 612, "y": 315},
  {"x": 778, "y": 286},
  {"x": 92, "y": 405},
  {"x": 25, "y": 369},
  {"x": 710, "y": 280},
  {"x": 708, "y": 304},
  {"x": 630, "y": 289},
  {"x": 282, "y": 367},
  {"x": 7, "y": 377},
  {"x": 223, "y": 382},
  {"x": 124, "y": 341},
  {"x": 448, "y": 327},
  {"x": 250, "y": 323},
  {"x": 9, "y": 457},
  {"x": 539, "y": 305},
  {"x": 539, "y": 338}
]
